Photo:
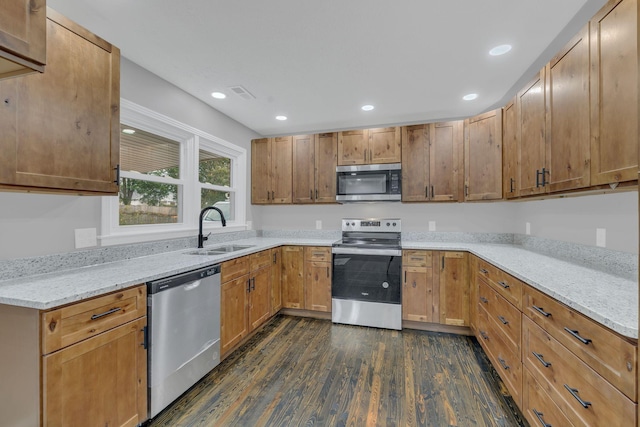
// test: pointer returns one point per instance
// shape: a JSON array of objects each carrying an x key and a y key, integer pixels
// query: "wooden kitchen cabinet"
[
  {"x": 483, "y": 156},
  {"x": 276, "y": 280},
  {"x": 473, "y": 293},
  {"x": 454, "y": 288},
  {"x": 432, "y": 162},
  {"x": 234, "y": 323},
  {"x": 292, "y": 277},
  {"x": 510, "y": 143},
  {"x": 61, "y": 129},
  {"x": 23, "y": 37},
  {"x": 317, "y": 286},
  {"x": 369, "y": 146},
  {"x": 314, "y": 168},
  {"x": 614, "y": 93},
  {"x": 272, "y": 170},
  {"x": 419, "y": 293}
]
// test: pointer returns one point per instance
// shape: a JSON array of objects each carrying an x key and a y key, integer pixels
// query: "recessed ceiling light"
[
  {"x": 368, "y": 107},
  {"x": 470, "y": 97},
  {"x": 218, "y": 95},
  {"x": 281, "y": 117},
  {"x": 500, "y": 50},
  {"x": 129, "y": 131}
]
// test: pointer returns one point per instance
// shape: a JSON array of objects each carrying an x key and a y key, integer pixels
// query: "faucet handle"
[{"x": 206, "y": 237}]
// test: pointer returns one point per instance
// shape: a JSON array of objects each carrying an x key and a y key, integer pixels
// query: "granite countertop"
[{"x": 605, "y": 298}]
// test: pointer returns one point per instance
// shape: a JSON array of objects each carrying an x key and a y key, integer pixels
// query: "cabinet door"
[
  {"x": 353, "y": 146},
  {"x": 318, "y": 286},
  {"x": 259, "y": 298},
  {"x": 99, "y": 381},
  {"x": 417, "y": 294},
  {"x": 61, "y": 128},
  {"x": 473, "y": 293},
  {"x": 483, "y": 156},
  {"x": 510, "y": 141},
  {"x": 415, "y": 163},
  {"x": 260, "y": 171},
  {"x": 325, "y": 167},
  {"x": 234, "y": 302},
  {"x": 385, "y": 145},
  {"x": 293, "y": 277},
  {"x": 23, "y": 35},
  {"x": 454, "y": 289},
  {"x": 282, "y": 169},
  {"x": 568, "y": 134},
  {"x": 276, "y": 280},
  {"x": 531, "y": 110},
  {"x": 304, "y": 185},
  {"x": 445, "y": 161},
  {"x": 614, "y": 93}
]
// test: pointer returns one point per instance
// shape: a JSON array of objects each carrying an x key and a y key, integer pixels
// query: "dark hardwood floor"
[{"x": 307, "y": 372}]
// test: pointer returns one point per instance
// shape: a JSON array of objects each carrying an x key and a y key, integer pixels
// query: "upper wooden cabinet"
[
  {"x": 483, "y": 156},
  {"x": 271, "y": 170},
  {"x": 61, "y": 129},
  {"x": 369, "y": 146},
  {"x": 614, "y": 93},
  {"x": 510, "y": 141},
  {"x": 432, "y": 162},
  {"x": 314, "y": 168},
  {"x": 23, "y": 37}
]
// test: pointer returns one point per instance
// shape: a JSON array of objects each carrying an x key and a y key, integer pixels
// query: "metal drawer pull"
[
  {"x": 539, "y": 416},
  {"x": 541, "y": 311},
  {"x": 483, "y": 271},
  {"x": 585, "y": 341},
  {"x": 484, "y": 300},
  {"x": 106, "y": 313},
  {"x": 503, "y": 320},
  {"x": 574, "y": 393},
  {"x": 503, "y": 284},
  {"x": 484, "y": 335},
  {"x": 503, "y": 363},
  {"x": 540, "y": 358}
]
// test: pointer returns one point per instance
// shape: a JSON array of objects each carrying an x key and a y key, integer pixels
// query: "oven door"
[{"x": 366, "y": 288}]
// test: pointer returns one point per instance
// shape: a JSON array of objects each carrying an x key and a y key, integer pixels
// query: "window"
[{"x": 169, "y": 171}]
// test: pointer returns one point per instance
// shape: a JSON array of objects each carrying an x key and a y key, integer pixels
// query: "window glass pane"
[
  {"x": 220, "y": 200},
  {"x": 214, "y": 169},
  {"x": 147, "y": 153},
  {"x": 146, "y": 202}
]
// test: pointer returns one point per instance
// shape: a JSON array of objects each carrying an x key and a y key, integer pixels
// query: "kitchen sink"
[{"x": 219, "y": 250}]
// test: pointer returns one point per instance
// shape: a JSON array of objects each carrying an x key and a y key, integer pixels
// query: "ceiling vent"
[{"x": 242, "y": 92}]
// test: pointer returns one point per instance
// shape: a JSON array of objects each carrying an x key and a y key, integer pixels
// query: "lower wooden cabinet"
[
  {"x": 234, "y": 324},
  {"x": 454, "y": 288},
  {"x": 419, "y": 294},
  {"x": 276, "y": 280},
  {"x": 292, "y": 276},
  {"x": 317, "y": 286}
]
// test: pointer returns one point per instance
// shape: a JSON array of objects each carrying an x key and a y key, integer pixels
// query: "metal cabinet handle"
[
  {"x": 268, "y": 198},
  {"x": 327, "y": 272},
  {"x": 253, "y": 284},
  {"x": 311, "y": 194},
  {"x": 484, "y": 300},
  {"x": 503, "y": 363},
  {"x": 426, "y": 191},
  {"x": 575, "y": 334},
  {"x": 483, "y": 271},
  {"x": 249, "y": 285},
  {"x": 574, "y": 393},
  {"x": 540, "y": 358},
  {"x": 503, "y": 284},
  {"x": 537, "y": 178},
  {"x": 273, "y": 195},
  {"x": 545, "y": 172},
  {"x": 316, "y": 194},
  {"x": 405, "y": 277},
  {"x": 106, "y": 313},
  {"x": 484, "y": 335},
  {"x": 539, "y": 416},
  {"x": 432, "y": 192},
  {"x": 466, "y": 191},
  {"x": 511, "y": 182},
  {"x": 117, "y": 169},
  {"x": 503, "y": 320},
  {"x": 541, "y": 311},
  {"x": 275, "y": 257}
]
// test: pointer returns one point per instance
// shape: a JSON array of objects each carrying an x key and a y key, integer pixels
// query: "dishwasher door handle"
[{"x": 192, "y": 286}]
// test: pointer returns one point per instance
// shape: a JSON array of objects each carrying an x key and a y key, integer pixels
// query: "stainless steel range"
[{"x": 367, "y": 263}]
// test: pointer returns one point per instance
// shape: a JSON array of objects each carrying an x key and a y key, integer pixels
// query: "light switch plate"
[
  {"x": 528, "y": 228},
  {"x": 318, "y": 224},
  {"x": 601, "y": 237},
  {"x": 432, "y": 226},
  {"x": 85, "y": 237}
]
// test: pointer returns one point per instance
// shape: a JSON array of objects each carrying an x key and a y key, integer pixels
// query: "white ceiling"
[{"x": 319, "y": 61}]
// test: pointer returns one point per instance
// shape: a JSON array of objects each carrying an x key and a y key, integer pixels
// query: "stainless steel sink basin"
[{"x": 219, "y": 250}]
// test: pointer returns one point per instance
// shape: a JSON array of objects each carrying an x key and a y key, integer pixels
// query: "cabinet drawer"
[
  {"x": 506, "y": 362},
  {"x": 76, "y": 322},
  {"x": 505, "y": 284},
  {"x": 234, "y": 268},
  {"x": 610, "y": 355},
  {"x": 260, "y": 260},
  {"x": 317, "y": 253},
  {"x": 584, "y": 396},
  {"x": 416, "y": 258},
  {"x": 506, "y": 317},
  {"x": 537, "y": 406}
]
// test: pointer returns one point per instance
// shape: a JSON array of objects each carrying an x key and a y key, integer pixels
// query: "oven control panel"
[{"x": 388, "y": 224}]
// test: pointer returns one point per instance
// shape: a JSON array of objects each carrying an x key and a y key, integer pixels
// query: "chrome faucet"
[{"x": 202, "y": 238}]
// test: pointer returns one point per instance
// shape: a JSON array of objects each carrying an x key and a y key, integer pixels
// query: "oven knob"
[
  {"x": 388, "y": 224},
  {"x": 394, "y": 224},
  {"x": 385, "y": 285}
]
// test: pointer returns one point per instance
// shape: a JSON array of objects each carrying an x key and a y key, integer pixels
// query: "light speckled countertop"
[{"x": 608, "y": 299}]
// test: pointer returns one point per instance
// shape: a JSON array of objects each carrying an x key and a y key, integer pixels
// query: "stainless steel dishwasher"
[{"x": 184, "y": 333}]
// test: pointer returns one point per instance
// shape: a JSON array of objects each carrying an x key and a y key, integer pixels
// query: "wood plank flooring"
[{"x": 308, "y": 372}]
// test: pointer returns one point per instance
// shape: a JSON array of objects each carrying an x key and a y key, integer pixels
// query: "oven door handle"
[{"x": 362, "y": 251}]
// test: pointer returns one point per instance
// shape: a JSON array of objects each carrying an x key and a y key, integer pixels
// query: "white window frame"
[{"x": 191, "y": 140}]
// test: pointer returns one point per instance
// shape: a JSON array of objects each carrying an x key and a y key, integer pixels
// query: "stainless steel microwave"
[{"x": 369, "y": 183}]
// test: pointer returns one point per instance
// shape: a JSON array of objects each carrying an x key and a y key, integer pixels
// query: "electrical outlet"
[
  {"x": 318, "y": 224},
  {"x": 432, "y": 226},
  {"x": 85, "y": 237},
  {"x": 528, "y": 228},
  {"x": 601, "y": 237}
]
